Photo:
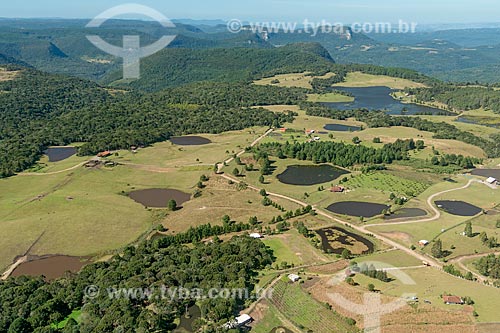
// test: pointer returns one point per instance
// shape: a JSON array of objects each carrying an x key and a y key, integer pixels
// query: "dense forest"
[
  {"x": 31, "y": 304},
  {"x": 462, "y": 98},
  {"x": 179, "y": 66},
  {"x": 233, "y": 94},
  {"x": 375, "y": 119}
]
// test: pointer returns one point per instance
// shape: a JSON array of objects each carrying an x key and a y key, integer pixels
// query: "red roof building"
[
  {"x": 453, "y": 300},
  {"x": 337, "y": 189},
  {"x": 104, "y": 154}
]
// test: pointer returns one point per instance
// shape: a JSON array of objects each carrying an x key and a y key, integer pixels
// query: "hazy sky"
[{"x": 343, "y": 11}]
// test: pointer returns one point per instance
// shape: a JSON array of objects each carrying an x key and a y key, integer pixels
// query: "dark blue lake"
[{"x": 379, "y": 98}]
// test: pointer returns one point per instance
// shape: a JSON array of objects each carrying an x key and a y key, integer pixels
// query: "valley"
[{"x": 283, "y": 171}]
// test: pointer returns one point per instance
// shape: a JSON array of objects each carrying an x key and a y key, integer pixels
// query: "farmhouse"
[
  {"x": 293, "y": 277},
  {"x": 453, "y": 300},
  {"x": 337, "y": 189},
  {"x": 104, "y": 154},
  {"x": 491, "y": 180}
]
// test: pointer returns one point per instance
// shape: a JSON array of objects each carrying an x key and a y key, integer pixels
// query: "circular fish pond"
[
  {"x": 336, "y": 240},
  {"x": 57, "y": 154},
  {"x": 52, "y": 267},
  {"x": 158, "y": 197},
  {"x": 342, "y": 128},
  {"x": 459, "y": 208},
  {"x": 406, "y": 212},
  {"x": 189, "y": 140},
  {"x": 355, "y": 208},
  {"x": 304, "y": 175}
]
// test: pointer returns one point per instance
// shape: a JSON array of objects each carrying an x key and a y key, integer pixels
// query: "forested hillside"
[
  {"x": 38, "y": 110},
  {"x": 459, "y": 97},
  {"x": 174, "y": 67}
]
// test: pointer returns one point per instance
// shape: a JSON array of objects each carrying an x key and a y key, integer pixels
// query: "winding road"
[{"x": 362, "y": 229}]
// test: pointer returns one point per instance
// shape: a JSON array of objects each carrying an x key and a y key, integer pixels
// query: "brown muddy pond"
[
  {"x": 459, "y": 208},
  {"x": 359, "y": 209},
  {"x": 335, "y": 235},
  {"x": 52, "y": 267},
  {"x": 405, "y": 213},
  {"x": 57, "y": 154},
  {"x": 189, "y": 140},
  {"x": 158, "y": 197}
]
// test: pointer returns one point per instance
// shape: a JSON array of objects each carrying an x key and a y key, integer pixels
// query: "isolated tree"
[
  {"x": 356, "y": 140},
  {"x": 371, "y": 287},
  {"x": 172, "y": 205},
  {"x": 236, "y": 172},
  {"x": 350, "y": 281},
  {"x": 346, "y": 254},
  {"x": 483, "y": 237},
  {"x": 377, "y": 140},
  {"x": 468, "y": 229},
  {"x": 437, "y": 249},
  {"x": 226, "y": 219},
  {"x": 261, "y": 179},
  {"x": 263, "y": 193},
  {"x": 253, "y": 220}
]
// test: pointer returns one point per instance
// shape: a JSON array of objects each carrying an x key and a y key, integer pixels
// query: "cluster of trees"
[
  {"x": 338, "y": 153},
  {"x": 32, "y": 304},
  {"x": 374, "y": 273},
  {"x": 464, "y": 162},
  {"x": 459, "y": 97},
  {"x": 490, "y": 242},
  {"x": 451, "y": 269},
  {"x": 375, "y": 119},
  {"x": 489, "y": 266}
]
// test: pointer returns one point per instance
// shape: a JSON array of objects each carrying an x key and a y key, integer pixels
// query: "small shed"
[
  {"x": 255, "y": 235},
  {"x": 293, "y": 277},
  {"x": 243, "y": 319},
  {"x": 491, "y": 180},
  {"x": 423, "y": 242}
]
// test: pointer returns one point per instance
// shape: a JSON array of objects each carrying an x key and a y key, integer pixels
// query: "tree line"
[
  {"x": 337, "y": 153},
  {"x": 375, "y": 119}
]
